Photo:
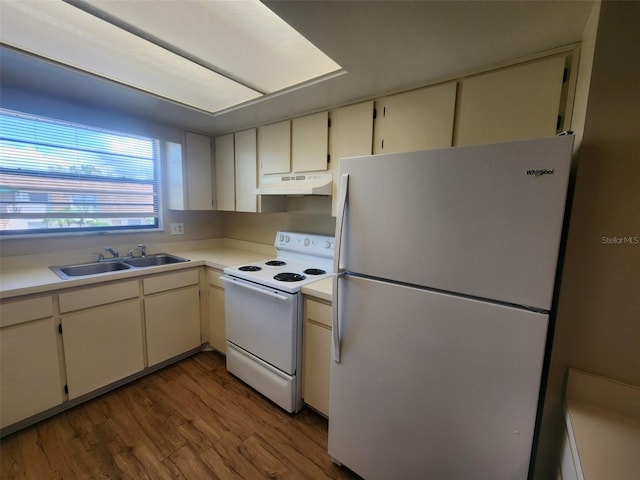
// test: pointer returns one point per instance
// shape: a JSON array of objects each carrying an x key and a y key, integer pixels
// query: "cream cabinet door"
[
  {"x": 198, "y": 169},
  {"x": 172, "y": 321},
  {"x": 351, "y": 134},
  {"x": 246, "y": 170},
  {"x": 416, "y": 120},
  {"x": 215, "y": 292},
  {"x": 516, "y": 103},
  {"x": 29, "y": 360},
  {"x": 316, "y": 350},
  {"x": 274, "y": 148},
  {"x": 309, "y": 142},
  {"x": 102, "y": 345},
  {"x": 225, "y": 173}
]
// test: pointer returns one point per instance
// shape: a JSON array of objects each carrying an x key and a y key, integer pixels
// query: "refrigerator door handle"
[
  {"x": 334, "y": 323},
  {"x": 342, "y": 205}
]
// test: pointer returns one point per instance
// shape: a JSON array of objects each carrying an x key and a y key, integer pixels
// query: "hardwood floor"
[{"x": 191, "y": 420}]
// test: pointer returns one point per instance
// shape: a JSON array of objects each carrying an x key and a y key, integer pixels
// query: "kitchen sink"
[
  {"x": 154, "y": 260},
  {"x": 95, "y": 268},
  {"x": 92, "y": 268}
]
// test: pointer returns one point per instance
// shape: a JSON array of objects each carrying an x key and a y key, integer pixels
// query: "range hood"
[{"x": 296, "y": 184}]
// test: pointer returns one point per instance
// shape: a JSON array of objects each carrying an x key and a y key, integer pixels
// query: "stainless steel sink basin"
[
  {"x": 154, "y": 260},
  {"x": 94, "y": 268},
  {"x": 84, "y": 269}
]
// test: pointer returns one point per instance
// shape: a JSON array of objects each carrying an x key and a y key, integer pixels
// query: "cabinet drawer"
[
  {"x": 213, "y": 277},
  {"x": 12, "y": 313},
  {"x": 169, "y": 281},
  {"x": 92, "y": 297},
  {"x": 318, "y": 312}
]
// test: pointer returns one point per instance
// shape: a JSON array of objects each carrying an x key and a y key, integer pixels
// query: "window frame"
[{"x": 108, "y": 182}]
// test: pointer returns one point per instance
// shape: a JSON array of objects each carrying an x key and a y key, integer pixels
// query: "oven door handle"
[{"x": 263, "y": 291}]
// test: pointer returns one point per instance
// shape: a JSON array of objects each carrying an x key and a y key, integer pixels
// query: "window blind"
[{"x": 57, "y": 176}]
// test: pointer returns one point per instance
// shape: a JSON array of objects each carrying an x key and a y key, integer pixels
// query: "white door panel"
[
  {"x": 485, "y": 221},
  {"x": 432, "y": 385}
]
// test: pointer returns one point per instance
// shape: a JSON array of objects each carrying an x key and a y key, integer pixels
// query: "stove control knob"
[
  {"x": 287, "y": 238},
  {"x": 306, "y": 241},
  {"x": 327, "y": 244},
  {"x": 281, "y": 238}
]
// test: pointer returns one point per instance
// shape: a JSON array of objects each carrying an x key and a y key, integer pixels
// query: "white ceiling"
[{"x": 384, "y": 46}]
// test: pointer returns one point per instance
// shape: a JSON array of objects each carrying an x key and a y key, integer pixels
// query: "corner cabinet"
[
  {"x": 172, "y": 314},
  {"x": 316, "y": 351},
  {"x": 102, "y": 335},
  {"x": 30, "y": 362}
]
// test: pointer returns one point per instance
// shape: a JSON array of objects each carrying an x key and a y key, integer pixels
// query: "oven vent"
[{"x": 297, "y": 184}]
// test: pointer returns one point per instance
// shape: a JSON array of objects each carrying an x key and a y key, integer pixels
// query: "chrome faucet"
[
  {"x": 143, "y": 250},
  {"x": 112, "y": 252}
]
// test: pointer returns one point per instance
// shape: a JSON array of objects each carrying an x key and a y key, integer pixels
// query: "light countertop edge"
[{"x": 30, "y": 274}]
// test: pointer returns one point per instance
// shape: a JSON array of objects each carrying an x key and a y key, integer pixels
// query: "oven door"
[{"x": 263, "y": 321}]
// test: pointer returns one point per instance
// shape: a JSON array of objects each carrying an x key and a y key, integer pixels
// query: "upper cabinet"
[
  {"x": 190, "y": 173},
  {"x": 197, "y": 155},
  {"x": 515, "y": 103},
  {"x": 350, "y": 135},
  {"x": 309, "y": 143},
  {"x": 416, "y": 120},
  {"x": 246, "y": 175},
  {"x": 274, "y": 148},
  {"x": 225, "y": 173}
]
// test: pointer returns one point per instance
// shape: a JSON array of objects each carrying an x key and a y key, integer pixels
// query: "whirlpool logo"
[{"x": 540, "y": 172}]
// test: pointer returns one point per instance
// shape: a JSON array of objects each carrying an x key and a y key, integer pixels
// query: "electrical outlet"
[{"x": 177, "y": 229}]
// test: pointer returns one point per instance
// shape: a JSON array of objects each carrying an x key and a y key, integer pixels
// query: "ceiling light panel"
[
  {"x": 243, "y": 40},
  {"x": 68, "y": 35}
]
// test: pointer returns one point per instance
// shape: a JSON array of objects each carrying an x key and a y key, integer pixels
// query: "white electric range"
[{"x": 263, "y": 315}]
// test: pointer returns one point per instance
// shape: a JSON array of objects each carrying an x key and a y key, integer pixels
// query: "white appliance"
[
  {"x": 446, "y": 264},
  {"x": 263, "y": 315}
]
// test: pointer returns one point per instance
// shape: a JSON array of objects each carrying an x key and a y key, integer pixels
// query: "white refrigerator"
[{"x": 445, "y": 270}]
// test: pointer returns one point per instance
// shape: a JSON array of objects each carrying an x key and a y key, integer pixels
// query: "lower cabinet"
[
  {"x": 316, "y": 360},
  {"x": 102, "y": 345},
  {"x": 215, "y": 294},
  {"x": 102, "y": 335},
  {"x": 30, "y": 365},
  {"x": 172, "y": 314}
]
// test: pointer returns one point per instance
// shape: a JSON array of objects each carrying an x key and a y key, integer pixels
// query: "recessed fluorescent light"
[{"x": 210, "y": 55}]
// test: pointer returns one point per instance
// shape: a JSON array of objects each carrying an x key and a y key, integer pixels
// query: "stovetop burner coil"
[
  {"x": 314, "y": 271},
  {"x": 250, "y": 268},
  {"x": 289, "y": 277},
  {"x": 275, "y": 263}
]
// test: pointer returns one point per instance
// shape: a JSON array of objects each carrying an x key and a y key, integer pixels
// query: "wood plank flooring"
[{"x": 191, "y": 420}]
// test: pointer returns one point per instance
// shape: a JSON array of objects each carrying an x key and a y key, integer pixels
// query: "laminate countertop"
[{"x": 28, "y": 274}]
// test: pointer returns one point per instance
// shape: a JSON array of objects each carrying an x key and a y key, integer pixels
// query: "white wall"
[{"x": 598, "y": 320}]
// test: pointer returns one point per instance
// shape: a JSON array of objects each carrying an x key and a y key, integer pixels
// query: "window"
[{"x": 62, "y": 177}]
